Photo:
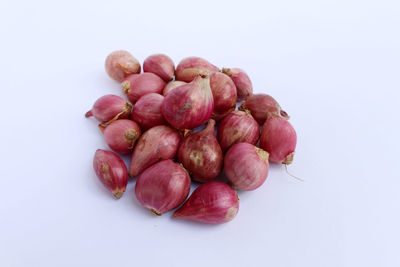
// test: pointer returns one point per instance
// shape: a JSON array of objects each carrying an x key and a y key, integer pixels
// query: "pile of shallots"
[{"x": 159, "y": 126}]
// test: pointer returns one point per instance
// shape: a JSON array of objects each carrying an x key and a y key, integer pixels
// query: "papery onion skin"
[
  {"x": 163, "y": 187},
  {"x": 224, "y": 93},
  {"x": 201, "y": 154},
  {"x": 238, "y": 127},
  {"x": 242, "y": 82},
  {"x": 189, "y": 106},
  {"x": 147, "y": 111},
  {"x": 279, "y": 139},
  {"x": 213, "y": 202},
  {"x": 120, "y": 64},
  {"x": 171, "y": 86},
  {"x": 111, "y": 171},
  {"x": 138, "y": 85},
  {"x": 191, "y": 67},
  {"x": 109, "y": 108},
  {"x": 158, "y": 143},
  {"x": 261, "y": 106},
  {"x": 246, "y": 166},
  {"x": 121, "y": 135},
  {"x": 161, "y": 65}
]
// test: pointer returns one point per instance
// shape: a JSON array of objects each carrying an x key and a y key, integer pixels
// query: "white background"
[{"x": 333, "y": 65}]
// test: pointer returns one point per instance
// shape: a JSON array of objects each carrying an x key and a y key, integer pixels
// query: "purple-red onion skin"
[
  {"x": 171, "y": 86},
  {"x": 138, "y": 85},
  {"x": 246, "y": 166},
  {"x": 279, "y": 139},
  {"x": 109, "y": 108},
  {"x": 191, "y": 67},
  {"x": 189, "y": 106},
  {"x": 242, "y": 82},
  {"x": 224, "y": 93},
  {"x": 163, "y": 186},
  {"x": 147, "y": 111},
  {"x": 213, "y": 202},
  {"x": 111, "y": 171},
  {"x": 201, "y": 154},
  {"x": 261, "y": 106},
  {"x": 121, "y": 135},
  {"x": 120, "y": 64},
  {"x": 161, "y": 65},
  {"x": 158, "y": 143},
  {"x": 238, "y": 127}
]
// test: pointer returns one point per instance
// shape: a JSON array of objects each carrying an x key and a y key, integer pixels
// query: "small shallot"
[
  {"x": 191, "y": 67},
  {"x": 147, "y": 111},
  {"x": 279, "y": 139},
  {"x": 246, "y": 166},
  {"x": 213, "y": 202},
  {"x": 201, "y": 154},
  {"x": 160, "y": 64},
  {"x": 109, "y": 108},
  {"x": 158, "y": 143},
  {"x": 120, "y": 64},
  {"x": 189, "y": 106},
  {"x": 111, "y": 171},
  {"x": 238, "y": 127},
  {"x": 171, "y": 86},
  {"x": 261, "y": 106},
  {"x": 137, "y": 85},
  {"x": 224, "y": 93},
  {"x": 163, "y": 187},
  {"x": 242, "y": 81},
  {"x": 121, "y": 135}
]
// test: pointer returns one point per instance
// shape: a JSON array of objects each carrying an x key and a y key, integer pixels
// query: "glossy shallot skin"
[
  {"x": 242, "y": 82},
  {"x": 161, "y": 65},
  {"x": 279, "y": 139},
  {"x": 191, "y": 67},
  {"x": 158, "y": 143},
  {"x": 138, "y": 85},
  {"x": 171, "y": 86},
  {"x": 121, "y": 135},
  {"x": 224, "y": 93},
  {"x": 111, "y": 171},
  {"x": 201, "y": 154},
  {"x": 109, "y": 108},
  {"x": 213, "y": 202},
  {"x": 147, "y": 111},
  {"x": 163, "y": 186}
]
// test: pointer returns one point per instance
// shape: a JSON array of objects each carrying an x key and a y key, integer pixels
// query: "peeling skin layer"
[
  {"x": 190, "y": 105},
  {"x": 201, "y": 154},
  {"x": 111, "y": 171},
  {"x": 238, "y": 127},
  {"x": 163, "y": 187},
  {"x": 213, "y": 202},
  {"x": 279, "y": 139},
  {"x": 119, "y": 64},
  {"x": 191, "y": 67},
  {"x": 158, "y": 143},
  {"x": 246, "y": 166}
]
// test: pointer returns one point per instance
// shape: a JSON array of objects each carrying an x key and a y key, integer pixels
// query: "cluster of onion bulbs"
[{"x": 180, "y": 124}]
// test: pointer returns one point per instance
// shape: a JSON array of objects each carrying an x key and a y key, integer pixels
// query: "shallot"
[
  {"x": 137, "y": 85},
  {"x": 242, "y": 81},
  {"x": 191, "y": 67},
  {"x": 171, "y": 86},
  {"x": 161, "y": 65},
  {"x": 109, "y": 108},
  {"x": 147, "y": 111},
  {"x": 121, "y": 135},
  {"x": 119, "y": 64},
  {"x": 224, "y": 93}
]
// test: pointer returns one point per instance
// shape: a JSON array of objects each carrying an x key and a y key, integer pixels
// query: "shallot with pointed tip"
[
  {"x": 189, "y": 106},
  {"x": 111, "y": 171},
  {"x": 120, "y": 64},
  {"x": 147, "y": 111},
  {"x": 246, "y": 166},
  {"x": 171, "y": 86},
  {"x": 213, "y": 202},
  {"x": 161, "y": 65},
  {"x": 163, "y": 187},
  {"x": 158, "y": 143},
  {"x": 238, "y": 127},
  {"x": 224, "y": 93},
  {"x": 121, "y": 135},
  {"x": 261, "y": 106},
  {"x": 279, "y": 139},
  {"x": 242, "y": 81},
  {"x": 191, "y": 67},
  {"x": 109, "y": 108},
  {"x": 201, "y": 154},
  {"x": 138, "y": 85}
]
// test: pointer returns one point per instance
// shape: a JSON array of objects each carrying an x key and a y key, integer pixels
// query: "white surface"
[{"x": 334, "y": 67}]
